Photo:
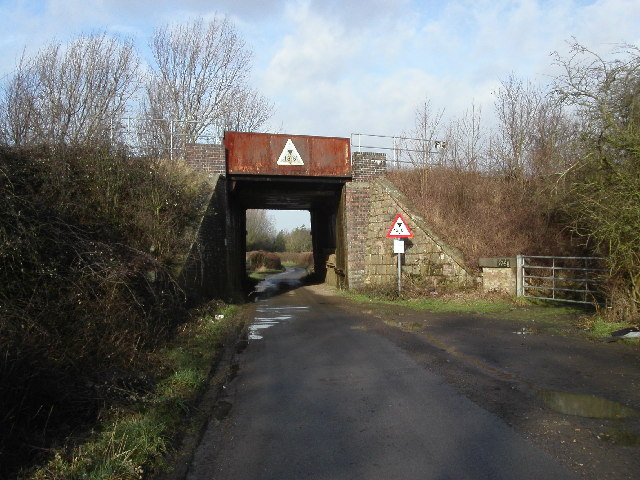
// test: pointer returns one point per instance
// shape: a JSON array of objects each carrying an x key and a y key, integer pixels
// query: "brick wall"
[
  {"x": 203, "y": 271},
  {"x": 206, "y": 158},
  {"x": 357, "y": 199},
  {"x": 365, "y": 166},
  {"x": 214, "y": 266}
]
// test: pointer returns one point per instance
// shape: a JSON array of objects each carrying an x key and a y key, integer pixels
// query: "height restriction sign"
[{"x": 399, "y": 229}]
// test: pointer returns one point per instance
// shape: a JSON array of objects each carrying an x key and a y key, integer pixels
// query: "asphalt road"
[{"x": 319, "y": 397}]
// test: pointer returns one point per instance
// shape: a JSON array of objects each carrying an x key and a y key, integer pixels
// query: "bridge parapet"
[
  {"x": 366, "y": 166},
  {"x": 209, "y": 158}
]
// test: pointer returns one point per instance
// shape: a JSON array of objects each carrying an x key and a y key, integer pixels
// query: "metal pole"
[
  {"x": 399, "y": 273},
  {"x": 171, "y": 139},
  {"x": 553, "y": 277},
  {"x": 395, "y": 153},
  {"x": 586, "y": 279}
]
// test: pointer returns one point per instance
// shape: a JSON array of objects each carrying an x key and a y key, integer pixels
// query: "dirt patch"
[{"x": 576, "y": 398}]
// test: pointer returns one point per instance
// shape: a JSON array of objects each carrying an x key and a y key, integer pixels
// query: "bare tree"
[
  {"x": 419, "y": 147},
  {"x": 517, "y": 104},
  {"x": 605, "y": 93},
  {"x": 553, "y": 136},
  {"x": 249, "y": 111},
  {"x": 260, "y": 230},
  {"x": 604, "y": 204},
  {"x": 534, "y": 132},
  {"x": 199, "y": 83},
  {"x": 70, "y": 94},
  {"x": 464, "y": 140},
  {"x": 17, "y": 109}
]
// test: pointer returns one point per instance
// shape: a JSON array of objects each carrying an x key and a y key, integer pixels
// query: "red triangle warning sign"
[{"x": 399, "y": 229}]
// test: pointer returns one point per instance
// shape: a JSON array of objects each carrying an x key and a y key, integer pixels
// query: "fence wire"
[
  {"x": 160, "y": 136},
  {"x": 404, "y": 151}
]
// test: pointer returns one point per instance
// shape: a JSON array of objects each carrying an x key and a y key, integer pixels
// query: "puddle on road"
[
  {"x": 588, "y": 406},
  {"x": 620, "y": 437},
  {"x": 278, "y": 283},
  {"x": 267, "y": 317}
]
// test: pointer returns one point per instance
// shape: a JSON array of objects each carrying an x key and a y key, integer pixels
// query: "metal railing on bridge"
[
  {"x": 404, "y": 151},
  {"x": 160, "y": 136},
  {"x": 561, "y": 279}
]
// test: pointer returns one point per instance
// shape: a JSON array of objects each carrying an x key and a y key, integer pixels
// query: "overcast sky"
[{"x": 333, "y": 68}]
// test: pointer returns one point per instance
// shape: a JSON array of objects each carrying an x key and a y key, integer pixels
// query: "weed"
[
  {"x": 599, "y": 326},
  {"x": 484, "y": 215},
  {"x": 471, "y": 302},
  {"x": 296, "y": 259},
  {"x": 135, "y": 439}
]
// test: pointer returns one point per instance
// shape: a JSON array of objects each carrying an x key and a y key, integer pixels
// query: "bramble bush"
[{"x": 87, "y": 242}]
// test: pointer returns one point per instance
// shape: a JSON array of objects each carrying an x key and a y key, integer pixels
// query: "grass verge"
[
  {"x": 134, "y": 440},
  {"x": 471, "y": 302},
  {"x": 442, "y": 304},
  {"x": 597, "y": 327},
  {"x": 546, "y": 316}
]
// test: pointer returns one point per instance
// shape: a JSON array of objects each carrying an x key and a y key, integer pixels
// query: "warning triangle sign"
[
  {"x": 290, "y": 155},
  {"x": 399, "y": 229}
]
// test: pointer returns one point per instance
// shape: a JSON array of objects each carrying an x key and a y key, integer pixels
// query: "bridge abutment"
[{"x": 214, "y": 267}]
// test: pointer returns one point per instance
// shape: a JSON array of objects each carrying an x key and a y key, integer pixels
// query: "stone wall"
[
  {"x": 502, "y": 280},
  {"x": 211, "y": 269},
  {"x": 427, "y": 258},
  {"x": 371, "y": 204},
  {"x": 499, "y": 274}
]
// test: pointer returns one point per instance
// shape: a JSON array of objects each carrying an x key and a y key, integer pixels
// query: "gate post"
[{"x": 519, "y": 275}]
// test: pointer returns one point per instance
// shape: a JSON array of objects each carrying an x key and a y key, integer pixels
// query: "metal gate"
[{"x": 561, "y": 279}]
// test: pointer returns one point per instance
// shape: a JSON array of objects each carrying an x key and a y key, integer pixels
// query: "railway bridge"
[{"x": 351, "y": 206}]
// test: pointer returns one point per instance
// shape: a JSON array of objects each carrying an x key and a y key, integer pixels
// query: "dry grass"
[
  {"x": 303, "y": 260},
  {"x": 259, "y": 260},
  {"x": 484, "y": 215}
]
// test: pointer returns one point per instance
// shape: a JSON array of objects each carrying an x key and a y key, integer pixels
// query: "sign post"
[{"x": 399, "y": 230}]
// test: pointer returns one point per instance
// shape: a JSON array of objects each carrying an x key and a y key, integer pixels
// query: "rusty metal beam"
[{"x": 287, "y": 155}]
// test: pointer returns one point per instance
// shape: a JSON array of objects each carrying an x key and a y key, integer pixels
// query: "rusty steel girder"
[{"x": 289, "y": 155}]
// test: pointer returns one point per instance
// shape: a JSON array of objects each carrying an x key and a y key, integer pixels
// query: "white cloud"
[
  {"x": 333, "y": 67},
  {"x": 314, "y": 50}
]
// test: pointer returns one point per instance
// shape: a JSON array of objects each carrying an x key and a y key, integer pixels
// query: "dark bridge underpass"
[
  {"x": 284, "y": 172},
  {"x": 320, "y": 198}
]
